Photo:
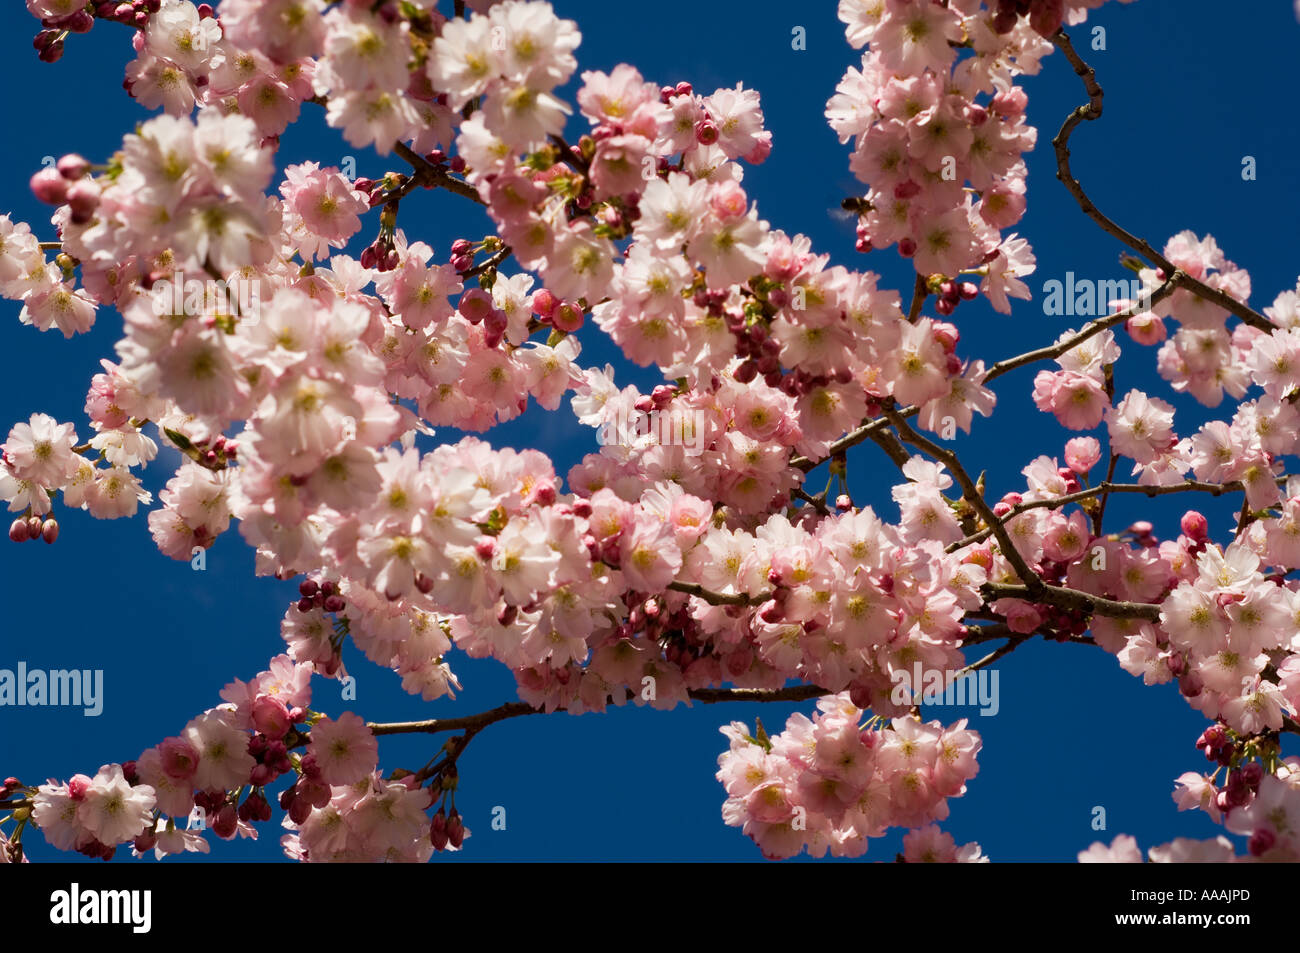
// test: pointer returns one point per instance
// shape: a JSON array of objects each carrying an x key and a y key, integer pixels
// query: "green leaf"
[{"x": 182, "y": 442}]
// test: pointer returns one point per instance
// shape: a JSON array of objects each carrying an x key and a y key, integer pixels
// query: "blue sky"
[{"x": 1191, "y": 90}]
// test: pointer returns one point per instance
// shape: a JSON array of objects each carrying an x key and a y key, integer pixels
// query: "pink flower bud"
[
  {"x": 907, "y": 247},
  {"x": 1146, "y": 328},
  {"x": 567, "y": 317},
  {"x": 53, "y": 51},
  {"x": 706, "y": 132},
  {"x": 73, "y": 167},
  {"x": 50, "y": 187},
  {"x": 946, "y": 334},
  {"x": 300, "y": 810},
  {"x": 475, "y": 305},
  {"x": 544, "y": 304},
  {"x": 145, "y": 842},
  {"x": 906, "y": 190},
  {"x": 438, "y": 831},
  {"x": 860, "y": 697},
  {"x": 18, "y": 530},
  {"x": 1261, "y": 842},
  {"x": 78, "y": 785},
  {"x": 1195, "y": 526}
]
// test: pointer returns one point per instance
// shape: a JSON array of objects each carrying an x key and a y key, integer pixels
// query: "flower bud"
[
  {"x": 567, "y": 317},
  {"x": 475, "y": 305},
  {"x": 145, "y": 842},
  {"x": 544, "y": 304},
  {"x": 50, "y": 187},
  {"x": 1261, "y": 842},
  {"x": 73, "y": 167},
  {"x": 1195, "y": 526}
]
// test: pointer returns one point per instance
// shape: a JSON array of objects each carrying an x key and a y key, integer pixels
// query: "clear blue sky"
[{"x": 1074, "y": 730}]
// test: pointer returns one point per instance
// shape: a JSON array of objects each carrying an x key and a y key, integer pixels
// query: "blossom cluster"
[
  {"x": 830, "y": 784},
  {"x": 215, "y": 773},
  {"x": 298, "y": 382}
]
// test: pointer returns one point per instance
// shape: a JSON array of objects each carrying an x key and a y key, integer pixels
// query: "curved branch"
[
  {"x": 851, "y": 439},
  {"x": 1091, "y": 111},
  {"x": 426, "y": 173},
  {"x": 1089, "y": 330},
  {"x": 1188, "y": 486},
  {"x": 490, "y": 263}
]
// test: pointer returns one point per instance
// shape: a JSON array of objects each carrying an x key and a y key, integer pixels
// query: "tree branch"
[
  {"x": 920, "y": 292},
  {"x": 1089, "y": 330},
  {"x": 1077, "y": 600},
  {"x": 476, "y": 723},
  {"x": 1005, "y": 649},
  {"x": 490, "y": 263},
  {"x": 718, "y": 598},
  {"x": 972, "y": 495},
  {"x": 1091, "y": 111},
  {"x": 427, "y": 173},
  {"x": 1189, "y": 486},
  {"x": 851, "y": 439}
]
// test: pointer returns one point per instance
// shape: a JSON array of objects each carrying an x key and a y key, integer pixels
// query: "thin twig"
[
  {"x": 473, "y": 724},
  {"x": 1090, "y": 111}
]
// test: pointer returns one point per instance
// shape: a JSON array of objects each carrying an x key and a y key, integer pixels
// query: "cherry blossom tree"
[{"x": 687, "y": 560}]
